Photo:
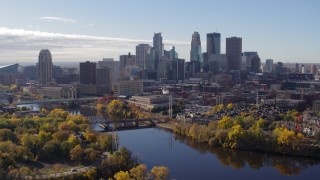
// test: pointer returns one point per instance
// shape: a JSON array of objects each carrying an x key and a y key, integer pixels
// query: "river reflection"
[
  {"x": 187, "y": 159},
  {"x": 287, "y": 165}
]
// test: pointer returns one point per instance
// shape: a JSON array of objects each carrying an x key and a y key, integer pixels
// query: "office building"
[
  {"x": 313, "y": 69},
  {"x": 247, "y": 59},
  {"x": 126, "y": 60},
  {"x": 45, "y": 67},
  {"x": 269, "y": 65},
  {"x": 196, "y": 53},
  {"x": 127, "y": 87},
  {"x": 171, "y": 54},
  {"x": 88, "y": 73},
  {"x": 104, "y": 78},
  {"x": 233, "y": 53},
  {"x": 255, "y": 64},
  {"x": 213, "y": 44},
  {"x": 141, "y": 52},
  {"x": 150, "y": 102},
  {"x": 150, "y": 60},
  {"x": 175, "y": 70},
  {"x": 158, "y": 45}
]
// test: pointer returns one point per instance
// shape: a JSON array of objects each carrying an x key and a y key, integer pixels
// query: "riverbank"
[
  {"x": 167, "y": 126},
  {"x": 303, "y": 149}
]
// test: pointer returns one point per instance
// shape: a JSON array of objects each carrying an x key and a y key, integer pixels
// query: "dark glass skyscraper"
[
  {"x": 233, "y": 53},
  {"x": 213, "y": 44},
  {"x": 158, "y": 45}
]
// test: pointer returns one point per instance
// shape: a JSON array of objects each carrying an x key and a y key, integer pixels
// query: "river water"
[{"x": 189, "y": 160}]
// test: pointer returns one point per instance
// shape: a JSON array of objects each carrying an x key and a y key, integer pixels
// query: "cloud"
[
  {"x": 24, "y": 45},
  {"x": 58, "y": 19}
]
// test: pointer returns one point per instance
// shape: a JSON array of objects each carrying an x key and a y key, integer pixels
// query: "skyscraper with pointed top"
[{"x": 196, "y": 53}]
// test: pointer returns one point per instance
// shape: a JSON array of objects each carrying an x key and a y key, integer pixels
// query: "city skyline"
[{"x": 77, "y": 31}]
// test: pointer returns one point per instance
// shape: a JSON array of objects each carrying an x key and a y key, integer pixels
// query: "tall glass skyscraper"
[
  {"x": 196, "y": 53},
  {"x": 157, "y": 44},
  {"x": 45, "y": 67}
]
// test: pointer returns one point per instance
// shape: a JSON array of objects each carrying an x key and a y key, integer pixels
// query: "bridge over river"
[{"x": 124, "y": 124}]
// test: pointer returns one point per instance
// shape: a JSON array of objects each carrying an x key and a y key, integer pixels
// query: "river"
[
  {"x": 195, "y": 161},
  {"x": 189, "y": 160}
]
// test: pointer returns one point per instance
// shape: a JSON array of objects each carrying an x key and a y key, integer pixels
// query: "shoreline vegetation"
[
  {"x": 279, "y": 141},
  {"x": 246, "y": 131}
]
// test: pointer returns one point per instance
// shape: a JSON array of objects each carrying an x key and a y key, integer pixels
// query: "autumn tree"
[
  {"x": 139, "y": 172},
  {"x": 122, "y": 175},
  {"x": 117, "y": 109},
  {"x": 77, "y": 153},
  {"x": 159, "y": 173},
  {"x": 234, "y": 135},
  {"x": 230, "y": 106},
  {"x": 225, "y": 123},
  {"x": 287, "y": 137}
]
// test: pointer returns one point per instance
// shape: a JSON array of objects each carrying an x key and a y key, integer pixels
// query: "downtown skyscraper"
[
  {"x": 158, "y": 45},
  {"x": 141, "y": 52},
  {"x": 213, "y": 44},
  {"x": 45, "y": 67},
  {"x": 196, "y": 53},
  {"x": 233, "y": 53}
]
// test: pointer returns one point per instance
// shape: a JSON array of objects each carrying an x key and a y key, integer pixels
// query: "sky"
[{"x": 81, "y": 30}]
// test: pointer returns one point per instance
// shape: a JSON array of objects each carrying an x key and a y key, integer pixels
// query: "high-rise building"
[
  {"x": 88, "y": 73},
  {"x": 313, "y": 69},
  {"x": 196, "y": 53},
  {"x": 108, "y": 63},
  {"x": 104, "y": 78},
  {"x": 255, "y": 64},
  {"x": 171, "y": 54},
  {"x": 141, "y": 52},
  {"x": 233, "y": 53},
  {"x": 126, "y": 60},
  {"x": 45, "y": 67},
  {"x": 213, "y": 44},
  {"x": 158, "y": 45},
  {"x": 303, "y": 69},
  {"x": 269, "y": 65},
  {"x": 150, "y": 60},
  {"x": 175, "y": 70},
  {"x": 247, "y": 59}
]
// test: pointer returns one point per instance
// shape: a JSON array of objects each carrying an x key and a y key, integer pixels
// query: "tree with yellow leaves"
[
  {"x": 159, "y": 173},
  {"x": 122, "y": 175},
  {"x": 226, "y": 122},
  {"x": 287, "y": 137}
]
